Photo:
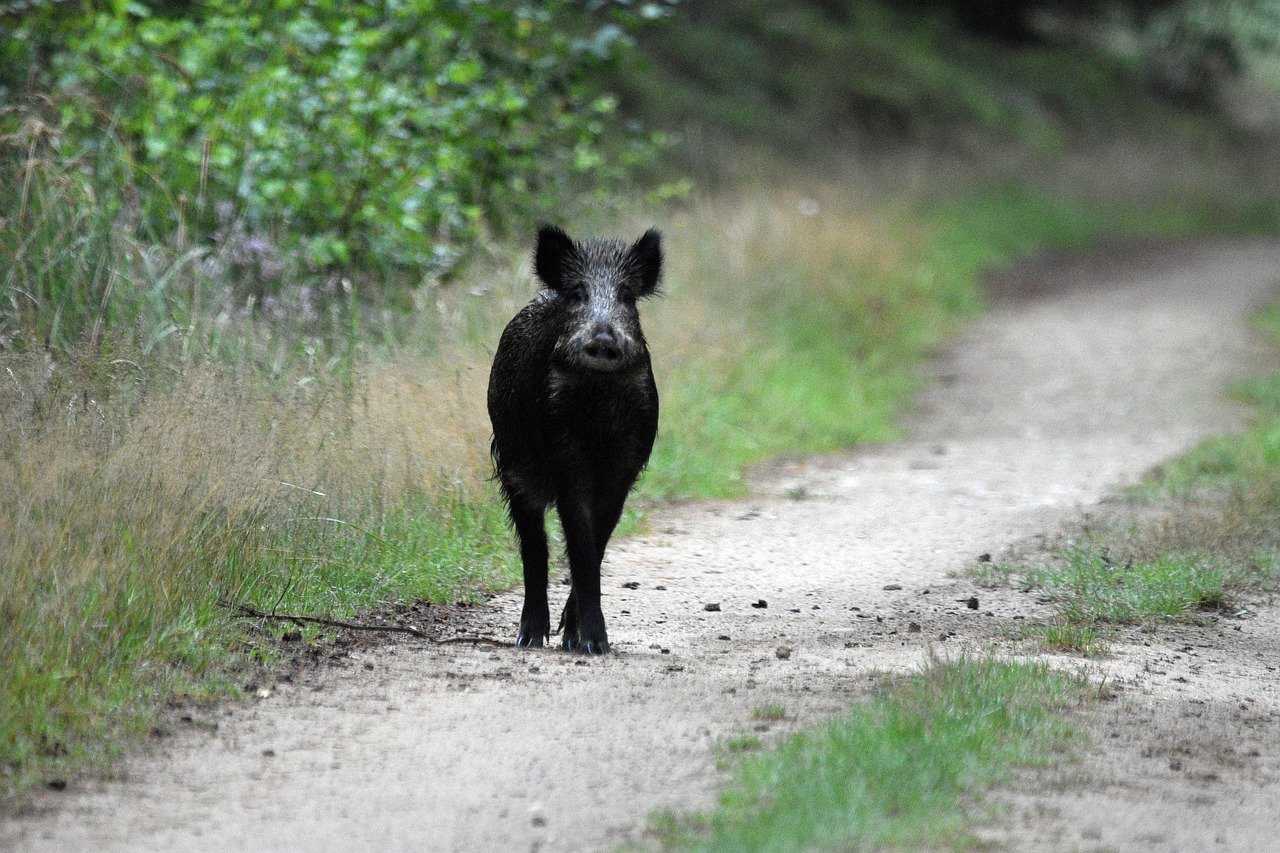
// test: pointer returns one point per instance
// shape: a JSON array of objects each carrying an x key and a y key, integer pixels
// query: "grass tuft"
[
  {"x": 743, "y": 743},
  {"x": 770, "y": 713},
  {"x": 1092, "y": 588},
  {"x": 1083, "y": 640}
]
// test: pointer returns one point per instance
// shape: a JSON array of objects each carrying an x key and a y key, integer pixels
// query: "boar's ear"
[
  {"x": 553, "y": 252},
  {"x": 647, "y": 254}
]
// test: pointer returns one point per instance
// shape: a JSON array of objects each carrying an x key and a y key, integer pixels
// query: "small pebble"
[
  {"x": 913, "y": 628},
  {"x": 783, "y": 652},
  {"x": 712, "y": 607},
  {"x": 761, "y": 604},
  {"x": 892, "y": 586}
]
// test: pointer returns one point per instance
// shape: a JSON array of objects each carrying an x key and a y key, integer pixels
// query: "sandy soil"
[{"x": 1044, "y": 407}]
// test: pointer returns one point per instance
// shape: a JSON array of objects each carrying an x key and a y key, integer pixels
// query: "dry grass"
[{"x": 124, "y": 521}]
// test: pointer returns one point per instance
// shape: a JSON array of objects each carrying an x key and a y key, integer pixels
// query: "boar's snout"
[{"x": 602, "y": 349}]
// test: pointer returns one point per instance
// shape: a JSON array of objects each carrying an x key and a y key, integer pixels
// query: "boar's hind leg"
[
  {"x": 584, "y": 569},
  {"x": 535, "y": 620},
  {"x": 569, "y": 623}
]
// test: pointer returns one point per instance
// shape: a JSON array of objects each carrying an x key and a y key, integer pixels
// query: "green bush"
[{"x": 396, "y": 131}]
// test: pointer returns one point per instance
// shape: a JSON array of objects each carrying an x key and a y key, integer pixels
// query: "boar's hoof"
[
  {"x": 570, "y": 641},
  {"x": 526, "y": 640},
  {"x": 535, "y": 627},
  {"x": 592, "y": 636}
]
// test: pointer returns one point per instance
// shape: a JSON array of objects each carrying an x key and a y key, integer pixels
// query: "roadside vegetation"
[
  {"x": 1214, "y": 545},
  {"x": 236, "y": 368},
  {"x": 898, "y": 771}
]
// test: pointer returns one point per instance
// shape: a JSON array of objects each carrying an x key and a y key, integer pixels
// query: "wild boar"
[{"x": 574, "y": 408}]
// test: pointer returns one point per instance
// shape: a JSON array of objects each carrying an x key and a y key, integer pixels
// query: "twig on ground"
[
  {"x": 253, "y": 613},
  {"x": 474, "y": 640},
  {"x": 248, "y": 612}
]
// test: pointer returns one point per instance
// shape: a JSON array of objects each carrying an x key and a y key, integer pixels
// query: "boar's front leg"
[
  {"x": 535, "y": 620},
  {"x": 604, "y": 520},
  {"x": 584, "y": 570}
]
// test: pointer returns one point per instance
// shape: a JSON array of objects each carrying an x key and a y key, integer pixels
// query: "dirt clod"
[
  {"x": 712, "y": 607},
  {"x": 782, "y": 652}
]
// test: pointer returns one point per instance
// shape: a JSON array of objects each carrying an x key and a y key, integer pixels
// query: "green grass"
[
  {"x": 1161, "y": 581},
  {"x": 769, "y": 713},
  {"x": 91, "y": 651},
  {"x": 742, "y": 743},
  {"x": 1089, "y": 587},
  {"x": 1084, "y": 640},
  {"x": 421, "y": 550},
  {"x": 900, "y": 770}
]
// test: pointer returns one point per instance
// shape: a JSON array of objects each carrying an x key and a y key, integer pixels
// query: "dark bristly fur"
[{"x": 575, "y": 411}]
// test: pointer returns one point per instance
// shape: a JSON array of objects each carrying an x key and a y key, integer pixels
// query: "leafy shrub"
[{"x": 396, "y": 131}]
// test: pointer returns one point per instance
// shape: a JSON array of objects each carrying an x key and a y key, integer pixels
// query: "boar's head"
[{"x": 596, "y": 284}]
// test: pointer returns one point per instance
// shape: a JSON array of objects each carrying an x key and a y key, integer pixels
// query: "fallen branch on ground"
[{"x": 247, "y": 612}]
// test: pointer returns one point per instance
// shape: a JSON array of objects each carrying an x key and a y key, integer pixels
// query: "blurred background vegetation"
[
  {"x": 254, "y": 257},
  {"x": 388, "y": 141}
]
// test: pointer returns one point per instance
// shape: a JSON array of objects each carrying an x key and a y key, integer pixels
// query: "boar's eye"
[
  {"x": 627, "y": 295},
  {"x": 577, "y": 293}
]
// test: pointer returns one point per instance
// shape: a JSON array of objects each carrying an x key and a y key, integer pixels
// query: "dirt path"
[{"x": 1043, "y": 407}]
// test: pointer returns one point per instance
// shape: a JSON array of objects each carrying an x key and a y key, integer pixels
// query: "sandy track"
[{"x": 1042, "y": 408}]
